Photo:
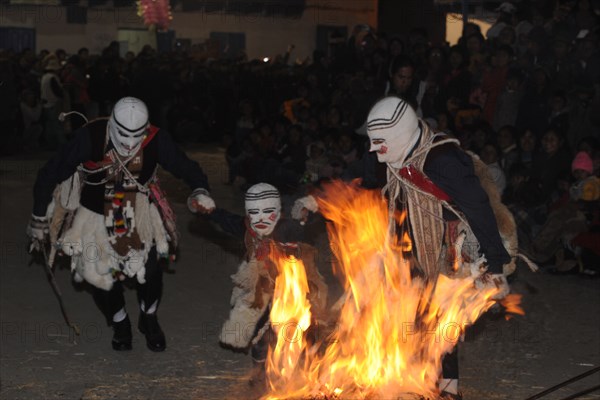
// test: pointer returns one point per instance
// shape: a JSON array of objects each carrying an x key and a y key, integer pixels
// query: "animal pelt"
[
  {"x": 82, "y": 235},
  {"x": 149, "y": 224},
  {"x": 504, "y": 218},
  {"x": 252, "y": 292},
  {"x": 65, "y": 201},
  {"x": 248, "y": 305},
  {"x": 87, "y": 244}
]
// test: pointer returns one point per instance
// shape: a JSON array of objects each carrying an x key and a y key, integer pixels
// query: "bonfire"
[{"x": 392, "y": 326}]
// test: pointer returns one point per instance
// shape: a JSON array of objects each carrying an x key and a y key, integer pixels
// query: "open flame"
[
  {"x": 393, "y": 328},
  {"x": 290, "y": 319}
]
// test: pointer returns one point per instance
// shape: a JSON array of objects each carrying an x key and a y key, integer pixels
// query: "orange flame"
[
  {"x": 511, "y": 304},
  {"x": 406, "y": 243},
  {"x": 290, "y": 318},
  {"x": 393, "y": 329}
]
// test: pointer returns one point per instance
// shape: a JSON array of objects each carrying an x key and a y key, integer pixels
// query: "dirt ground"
[{"x": 41, "y": 358}]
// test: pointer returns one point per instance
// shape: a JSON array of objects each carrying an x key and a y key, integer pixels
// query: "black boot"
[
  {"x": 155, "y": 338},
  {"x": 122, "y": 335}
]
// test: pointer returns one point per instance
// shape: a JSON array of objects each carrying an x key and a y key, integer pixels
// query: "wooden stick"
[
  {"x": 563, "y": 384},
  {"x": 57, "y": 291}
]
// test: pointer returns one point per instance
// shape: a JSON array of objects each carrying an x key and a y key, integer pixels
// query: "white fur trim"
[
  {"x": 239, "y": 329},
  {"x": 149, "y": 225},
  {"x": 205, "y": 201},
  {"x": 160, "y": 233},
  {"x": 308, "y": 202},
  {"x": 202, "y": 197},
  {"x": 93, "y": 257},
  {"x": 143, "y": 224}
]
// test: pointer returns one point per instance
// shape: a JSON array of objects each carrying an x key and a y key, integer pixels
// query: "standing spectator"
[
  {"x": 561, "y": 66},
  {"x": 402, "y": 80},
  {"x": 587, "y": 63},
  {"x": 527, "y": 147},
  {"x": 9, "y": 106},
  {"x": 469, "y": 29},
  {"x": 246, "y": 122},
  {"x": 61, "y": 55},
  {"x": 457, "y": 82},
  {"x": 523, "y": 25},
  {"x": 507, "y": 37},
  {"x": 552, "y": 162},
  {"x": 494, "y": 80},
  {"x": 559, "y": 111},
  {"x": 505, "y": 12},
  {"x": 507, "y": 142},
  {"x": 475, "y": 44},
  {"x": 76, "y": 83},
  {"x": 522, "y": 196},
  {"x": 52, "y": 95},
  {"x": 31, "y": 112},
  {"x": 537, "y": 47},
  {"x": 293, "y": 155},
  {"x": 509, "y": 101},
  {"x": 431, "y": 82},
  {"x": 395, "y": 47},
  {"x": 584, "y": 17},
  {"x": 317, "y": 162},
  {"x": 583, "y": 115},
  {"x": 534, "y": 109},
  {"x": 490, "y": 154},
  {"x": 84, "y": 56}
]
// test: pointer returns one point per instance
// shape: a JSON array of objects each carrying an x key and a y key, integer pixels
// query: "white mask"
[
  {"x": 263, "y": 208},
  {"x": 127, "y": 125},
  {"x": 393, "y": 129}
]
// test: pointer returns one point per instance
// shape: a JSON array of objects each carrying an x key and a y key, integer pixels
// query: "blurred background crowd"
[{"x": 523, "y": 95}]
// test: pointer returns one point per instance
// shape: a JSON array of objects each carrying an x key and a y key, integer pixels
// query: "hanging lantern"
[{"x": 155, "y": 13}]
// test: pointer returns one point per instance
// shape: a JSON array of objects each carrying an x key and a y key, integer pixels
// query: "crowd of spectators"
[{"x": 524, "y": 96}]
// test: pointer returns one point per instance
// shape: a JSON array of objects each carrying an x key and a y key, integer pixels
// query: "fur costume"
[
  {"x": 103, "y": 208},
  {"x": 264, "y": 233},
  {"x": 84, "y": 234},
  {"x": 248, "y": 305},
  {"x": 504, "y": 218},
  {"x": 93, "y": 258},
  {"x": 252, "y": 292}
]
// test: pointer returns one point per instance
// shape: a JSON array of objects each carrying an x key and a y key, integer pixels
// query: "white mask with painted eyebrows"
[
  {"x": 393, "y": 129},
  {"x": 263, "y": 208},
  {"x": 127, "y": 125}
]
